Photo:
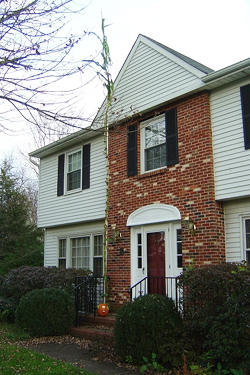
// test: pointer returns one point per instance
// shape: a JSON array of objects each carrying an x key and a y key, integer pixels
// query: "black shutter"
[
  {"x": 171, "y": 137},
  {"x": 132, "y": 150},
  {"x": 245, "y": 103},
  {"x": 86, "y": 166},
  {"x": 60, "y": 175}
]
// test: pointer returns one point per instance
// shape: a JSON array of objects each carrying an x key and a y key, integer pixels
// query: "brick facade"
[{"x": 188, "y": 185}]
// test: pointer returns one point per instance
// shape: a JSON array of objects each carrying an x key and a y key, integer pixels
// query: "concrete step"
[
  {"x": 91, "y": 320},
  {"x": 96, "y": 328},
  {"x": 102, "y": 334}
]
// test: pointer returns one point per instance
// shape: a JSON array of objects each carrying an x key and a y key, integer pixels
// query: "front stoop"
[{"x": 96, "y": 328}]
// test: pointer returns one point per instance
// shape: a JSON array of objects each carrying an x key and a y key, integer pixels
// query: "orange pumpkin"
[{"x": 102, "y": 309}]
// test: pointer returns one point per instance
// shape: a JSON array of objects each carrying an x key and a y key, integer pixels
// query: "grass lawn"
[{"x": 16, "y": 360}]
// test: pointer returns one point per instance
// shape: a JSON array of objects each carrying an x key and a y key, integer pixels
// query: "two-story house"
[
  {"x": 178, "y": 157},
  {"x": 72, "y": 201}
]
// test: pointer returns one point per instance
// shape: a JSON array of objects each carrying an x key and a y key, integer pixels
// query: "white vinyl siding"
[
  {"x": 149, "y": 78},
  {"x": 53, "y": 235},
  {"x": 235, "y": 213},
  {"x": 231, "y": 160},
  {"x": 79, "y": 206}
]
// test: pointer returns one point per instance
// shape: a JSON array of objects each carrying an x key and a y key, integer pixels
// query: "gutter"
[{"x": 222, "y": 73}]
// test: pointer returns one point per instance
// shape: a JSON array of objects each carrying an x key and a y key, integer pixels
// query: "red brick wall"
[{"x": 188, "y": 185}]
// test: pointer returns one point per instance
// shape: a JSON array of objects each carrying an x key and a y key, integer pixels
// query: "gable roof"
[
  {"x": 190, "y": 61},
  {"x": 152, "y": 75}
]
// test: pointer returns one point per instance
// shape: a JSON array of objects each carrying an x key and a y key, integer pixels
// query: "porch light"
[
  {"x": 189, "y": 225},
  {"x": 115, "y": 232}
]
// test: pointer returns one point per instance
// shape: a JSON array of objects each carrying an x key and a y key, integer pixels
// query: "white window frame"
[
  {"x": 68, "y": 154},
  {"x": 92, "y": 255},
  {"x": 60, "y": 257},
  {"x": 143, "y": 126},
  {"x": 245, "y": 249}
]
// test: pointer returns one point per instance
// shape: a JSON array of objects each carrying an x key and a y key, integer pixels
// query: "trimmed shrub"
[
  {"x": 20, "y": 281},
  {"x": 217, "y": 313},
  {"x": 149, "y": 324},
  {"x": 7, "y": 309},
  {"x": 46, "y": 312}
]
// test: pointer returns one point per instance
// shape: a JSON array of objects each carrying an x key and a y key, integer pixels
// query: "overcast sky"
[{"x": 215, "y": 33}]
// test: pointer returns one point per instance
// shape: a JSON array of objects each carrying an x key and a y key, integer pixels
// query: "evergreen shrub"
[
  {"x": 45, "y": 312},
  {"x": 20, "y": 281},
  {"x": 7, "y": 309},
  {"x": 217, "y": 313},
  {"x": 149, "y": 324}
]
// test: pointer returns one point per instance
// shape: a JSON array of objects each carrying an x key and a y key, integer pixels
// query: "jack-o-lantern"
[{"x": 102, "y": 309}]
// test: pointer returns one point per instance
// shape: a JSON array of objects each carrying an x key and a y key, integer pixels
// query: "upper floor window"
[
  {"x": 74, "y": 162},
  {"x": 74, "y": 170},
  {"x": 245, "y": 103},
  {"x": 159, "y": 142},
  {"x": 155, "y": 144}
]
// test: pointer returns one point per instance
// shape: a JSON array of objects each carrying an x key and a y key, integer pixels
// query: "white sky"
[{"x": 215, "y": 33}]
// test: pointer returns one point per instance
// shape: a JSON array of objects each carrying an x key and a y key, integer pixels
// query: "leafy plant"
[
  {"x": 46, "y": 312},
  {"x": 149, "y": 324},
  {"x": 217, "y": 313},
  {"x": 20, "y": 281},
  {"x": 151, "y": 365}
]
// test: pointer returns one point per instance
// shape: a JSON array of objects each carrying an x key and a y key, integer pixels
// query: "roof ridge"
[{"x": 187, "y": 59}]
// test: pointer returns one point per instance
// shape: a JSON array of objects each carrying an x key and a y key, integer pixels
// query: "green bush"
[
  {"x": 149, "y": 324},
  {"x": 7, "y": 309},
  {"x": 20, "y": 281},
  {"x": 217, "y": 313},
  {"x": 45, "y": 312}
]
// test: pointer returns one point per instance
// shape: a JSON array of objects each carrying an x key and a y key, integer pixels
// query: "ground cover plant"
[{"x": 16, "y": 360}]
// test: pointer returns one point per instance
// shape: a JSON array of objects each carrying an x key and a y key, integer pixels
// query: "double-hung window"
[
  {"x": 245, "y": 103},
  {"x": 158, "y": 143},
  {"x": 80, "y": 250},
  {"x": 62, "y": 253},
  {"x": 74, "y": 170},
  {"x": 98, "y": 256},
  {"x": 155, "y": 144},
  {"x": 247, "y": 240}
]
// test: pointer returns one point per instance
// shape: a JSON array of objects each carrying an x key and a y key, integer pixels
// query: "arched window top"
[{"x": 153, "y": 213}]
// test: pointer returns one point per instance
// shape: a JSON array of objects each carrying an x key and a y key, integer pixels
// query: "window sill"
[{"x": 152, "y": 173}]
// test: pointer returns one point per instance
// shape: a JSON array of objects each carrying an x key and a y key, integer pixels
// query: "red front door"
[{"x": 156, "y": 262}]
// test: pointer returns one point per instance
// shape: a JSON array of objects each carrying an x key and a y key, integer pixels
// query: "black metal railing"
[
  {"x": 167, "y": 286},
  {"x": 89, "y": 292}
]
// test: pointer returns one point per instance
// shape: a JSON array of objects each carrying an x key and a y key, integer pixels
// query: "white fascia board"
[
  {"x": 225, "y": 72},
  {"x": 79, "y": 136},
  {"x": 198, "y": 73}
]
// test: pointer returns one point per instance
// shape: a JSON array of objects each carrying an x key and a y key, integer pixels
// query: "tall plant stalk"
[{"x": 105, "y": 75}]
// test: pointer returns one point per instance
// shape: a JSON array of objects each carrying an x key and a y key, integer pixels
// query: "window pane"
[
  {"x": 74, "y": 180},
  {"x": 248, "y": 257},
  {"x": 156, "y": 157},
  {"x": 179, "y": 248},
  {"x": 62, "y": 248},
  {"x": 155, "y": 134},
  {"x": 80, "y": 252},
  {"x": 98, "y": 267},
  {"x": 74, "y": 161},
  {"x": 74, "y": 171},
  {"x": 247, "y": 224},
  {"x": 98, "y": 245}
]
